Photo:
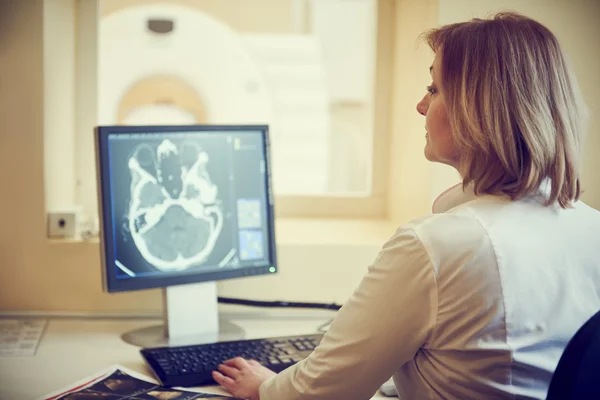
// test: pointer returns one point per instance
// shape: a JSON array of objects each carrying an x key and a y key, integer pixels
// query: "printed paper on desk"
[
  {"x": 118, "y": 382},
  {"x": 20, "y": 336}
]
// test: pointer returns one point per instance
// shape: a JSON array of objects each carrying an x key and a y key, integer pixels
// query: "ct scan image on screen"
[{"x": 175, "y": 209}]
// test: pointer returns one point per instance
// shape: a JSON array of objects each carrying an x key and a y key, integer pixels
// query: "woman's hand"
[{"x": 242, "y": 378}]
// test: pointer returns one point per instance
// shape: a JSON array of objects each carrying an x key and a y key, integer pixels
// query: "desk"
[{"x": 73, "y": 348}]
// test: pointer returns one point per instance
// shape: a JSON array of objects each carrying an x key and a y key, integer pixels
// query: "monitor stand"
[{"x": 190, "y": 317}]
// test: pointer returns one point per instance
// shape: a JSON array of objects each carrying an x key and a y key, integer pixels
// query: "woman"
[{"x": 479, "y": 299}]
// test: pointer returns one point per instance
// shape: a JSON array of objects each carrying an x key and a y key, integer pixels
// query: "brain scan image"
[{"x": 174, "y": 215}]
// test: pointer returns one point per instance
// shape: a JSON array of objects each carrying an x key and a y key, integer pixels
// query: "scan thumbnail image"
[
  {"x": 248, "y": 213},
  {"x": 251, "y": 245},
  {"x": 174, "y": 213}
]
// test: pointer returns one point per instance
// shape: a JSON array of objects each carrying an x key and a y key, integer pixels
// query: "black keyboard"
[{"x": 192, "y": 365}]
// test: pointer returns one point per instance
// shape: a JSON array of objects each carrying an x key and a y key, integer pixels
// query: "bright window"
[{"x": 311, "y": 69}]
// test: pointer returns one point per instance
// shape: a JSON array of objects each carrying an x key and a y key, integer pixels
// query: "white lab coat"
[{"x": 476, "y": 301}]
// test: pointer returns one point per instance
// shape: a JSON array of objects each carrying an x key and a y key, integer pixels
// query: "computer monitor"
[{"x": 182, "y": 207}]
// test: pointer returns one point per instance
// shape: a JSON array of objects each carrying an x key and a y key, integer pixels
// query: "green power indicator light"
[{"x": 271, "y": 269}]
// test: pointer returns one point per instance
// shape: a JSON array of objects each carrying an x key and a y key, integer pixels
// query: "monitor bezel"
[{"x": 110, "y": 282}]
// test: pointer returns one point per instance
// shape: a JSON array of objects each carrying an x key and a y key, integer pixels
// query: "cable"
[
  {"x": 281, "y": 304},
  {"x": 284, "y": 304},
  {"x": 324, "y": 327}
]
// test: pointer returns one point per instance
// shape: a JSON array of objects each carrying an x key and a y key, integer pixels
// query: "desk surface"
[{"x": 73, "y": 348}]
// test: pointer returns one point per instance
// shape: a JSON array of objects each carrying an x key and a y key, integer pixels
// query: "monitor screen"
[{"x": 184, "y": 204}]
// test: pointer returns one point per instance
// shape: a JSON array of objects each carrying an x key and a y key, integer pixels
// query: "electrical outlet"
[{"x": 62, "y": 224}]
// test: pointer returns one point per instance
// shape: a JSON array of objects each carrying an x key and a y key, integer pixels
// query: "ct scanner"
[{"x": 161, "y": 64}]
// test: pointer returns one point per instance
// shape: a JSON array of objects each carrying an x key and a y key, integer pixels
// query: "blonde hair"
[{"x": 514, "y": 106}]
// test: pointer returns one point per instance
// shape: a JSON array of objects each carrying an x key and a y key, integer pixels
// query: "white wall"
[
  {"x": 576, "y": 24},
  {"x": 59, "y": 91},
  {"x": 347, "y": 33},
  {"x": 410, "y": 174}
]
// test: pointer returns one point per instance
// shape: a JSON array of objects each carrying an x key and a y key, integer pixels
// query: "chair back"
[{"x": 577, "y": 375}]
